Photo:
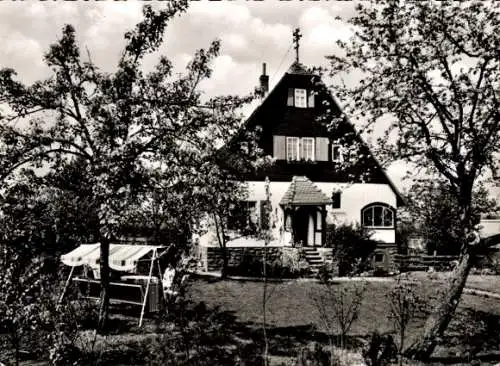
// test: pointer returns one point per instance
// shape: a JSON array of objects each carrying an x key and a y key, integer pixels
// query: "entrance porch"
[{"x": 304, "y": 209}]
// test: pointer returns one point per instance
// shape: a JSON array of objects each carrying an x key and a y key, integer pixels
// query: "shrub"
[
  {"x": 353, "y": 248},
  {"x": 338, "y": 307},
  {"x": 381, "y": 350},
  {"x": 294, "y": 262},
  {"x": 200, "y": 336},
  {"x": 316, "y": 355},
  {"x": 289, "y": 265},
  {"x": 326, "y": 271},
  {"x": 405, "y": 305}
]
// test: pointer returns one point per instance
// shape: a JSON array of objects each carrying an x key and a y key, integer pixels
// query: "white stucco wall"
[{"x": 354, "y": 198}]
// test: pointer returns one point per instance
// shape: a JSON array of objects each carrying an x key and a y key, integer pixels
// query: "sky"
[{"x": 251, "y": 33}]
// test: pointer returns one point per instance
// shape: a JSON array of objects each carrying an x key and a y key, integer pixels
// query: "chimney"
[{"x": 264, "y": 81}]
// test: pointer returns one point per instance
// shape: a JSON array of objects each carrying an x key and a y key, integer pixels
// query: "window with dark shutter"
[
  {"x": 241, "y": 216},
  {"x": 290, "y": 97},
  {"x": 300, "y": 98},
  {"x": 310, "y": 98},
  {"x": 321, "y": 149},
  {"x": 279, "y": 147},
  {"x": 337, "y": 153},
  {"x": 292, "y": 148}
]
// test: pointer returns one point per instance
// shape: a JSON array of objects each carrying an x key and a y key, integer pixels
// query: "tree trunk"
[
  {"x": 104, "y": 272},
  {"x": 221, "y": 239},
  {"x": 438, "y": 321},
  {"x": 225, "y": 262},
  {"x": 264, "y": 307}
]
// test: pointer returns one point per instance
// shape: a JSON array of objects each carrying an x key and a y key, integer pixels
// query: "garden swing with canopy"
[{"x": 129, "y": 283}]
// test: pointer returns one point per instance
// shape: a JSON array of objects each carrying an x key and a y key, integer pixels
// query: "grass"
[
  {"x": 290, "y": 303},
  {"x": 485, "y": 283},
  {"x": 293, "y": 317},
  {"x": 293, "y": 320}
]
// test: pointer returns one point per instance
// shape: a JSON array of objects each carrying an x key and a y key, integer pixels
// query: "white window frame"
[
  {"x": 340, "y": 158},
  {"x": 298, "y": 145},
  {"x": 292, "y": 141},
  {"x": 384, "y": 210},
  {"x": 300, "y": 98},
  {"x": 313, "y": 150}
]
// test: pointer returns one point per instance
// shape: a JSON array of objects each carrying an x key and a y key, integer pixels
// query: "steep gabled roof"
[
  {"x": 270, "y": 111},
  {"x": 302, "y": 191}
]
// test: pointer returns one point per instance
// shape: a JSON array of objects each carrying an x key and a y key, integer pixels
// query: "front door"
[{"x": 303, "y": 226}]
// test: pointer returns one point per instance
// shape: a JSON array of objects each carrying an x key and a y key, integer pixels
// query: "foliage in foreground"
[{"x": 130, "y": 133}]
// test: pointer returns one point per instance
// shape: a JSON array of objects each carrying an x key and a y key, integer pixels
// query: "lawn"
[
  {"x": 486, "y": 283},
  {"x": 293, "y": 317},
  {"x": 232, "y": 319}
]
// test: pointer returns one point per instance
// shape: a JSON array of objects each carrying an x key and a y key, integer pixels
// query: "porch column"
[
  {"x": 323, "y": 226},
  {"x": 311, "y": 232}
]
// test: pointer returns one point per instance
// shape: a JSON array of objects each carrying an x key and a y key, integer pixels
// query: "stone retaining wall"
[{"x": 211, "y": 257}]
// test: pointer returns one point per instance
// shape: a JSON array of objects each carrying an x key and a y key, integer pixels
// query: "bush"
[
  {"x": 316, "y": 355},
  {"x": 326, "y": 272},
  {"x": 338, "y": 307},
  {"x": 294, "y": 262},
  {"x": 199, "y": 336},
  {"x": 353, "y": 248},
  {"x": 290, "y": 265},
  {"x": 381, "y": 350}
]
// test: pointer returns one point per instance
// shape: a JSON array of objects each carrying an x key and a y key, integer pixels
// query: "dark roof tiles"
[{"x": 303, "y": 192}]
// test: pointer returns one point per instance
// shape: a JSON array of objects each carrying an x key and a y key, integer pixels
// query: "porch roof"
[{"x": 303, "y": 192}]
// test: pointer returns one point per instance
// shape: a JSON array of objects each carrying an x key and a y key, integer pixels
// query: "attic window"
[{"x": 300, "y": 98}]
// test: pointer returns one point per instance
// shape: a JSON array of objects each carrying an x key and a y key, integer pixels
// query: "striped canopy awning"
[{"x": 122, "y": 257}]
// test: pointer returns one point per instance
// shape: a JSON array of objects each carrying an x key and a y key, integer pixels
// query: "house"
[{"x": 320, "y": 176}]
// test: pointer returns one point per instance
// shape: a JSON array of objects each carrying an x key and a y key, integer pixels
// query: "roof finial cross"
[{"x": 296, "y": 38}]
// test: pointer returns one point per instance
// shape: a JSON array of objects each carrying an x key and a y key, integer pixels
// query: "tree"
[
  {"x": 434, "y": 208},
  {"x": 120, "y": 126},
  {"x": 45, "y": 218},
  {"x": 225, "y": 194},
  {"x": 432, "y": 71}
]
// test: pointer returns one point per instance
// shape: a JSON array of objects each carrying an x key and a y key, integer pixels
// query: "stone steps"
[{"x": 313, "y": 258}]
